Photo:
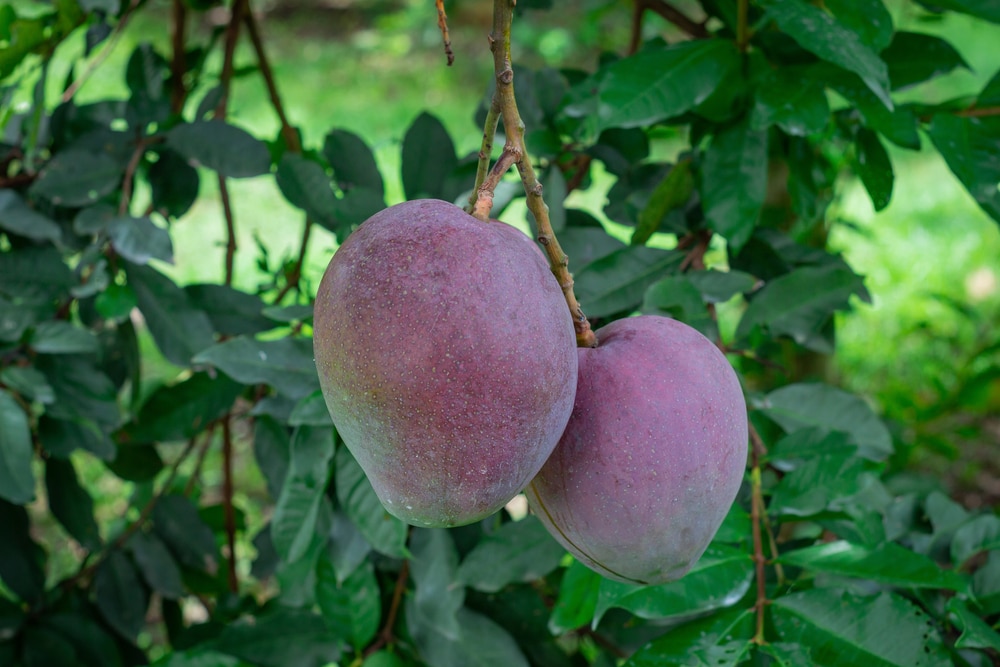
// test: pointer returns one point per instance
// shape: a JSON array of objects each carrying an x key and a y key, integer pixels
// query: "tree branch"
[
  {"x": 178, "y": 91},
  {"x": 670, "y": 14},
  {"x": 484, "y": 199},
  {"x": 757, "y": 517},
  {"x": 443, "y": 27},
  {"x": 385, "y": 636},
  {"x": 486, "y": 150},
  {"x": 227, "y": 500},
  {"x": 103, "y": 55}
]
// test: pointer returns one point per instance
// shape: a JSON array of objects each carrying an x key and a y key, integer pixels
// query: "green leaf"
[
  {"x": 221, "y": 147},
  {"x": 819, "y": 33},
  {"x": 520, "y": 551},
  {"x": 799, "y": 304},
  {"x": 352, "y": 161},
  {"x": 22, "y": 561},
  {"x": 92, "y": 641},
  {"x": 384, "y": 532},
  {"x": 976, "y": 633},
  {"x": 272, "y": 448},
  {"x": 384, "y": 659},
  {"x": 179, "y": 329},
  {"x": 584, "y": 239},
  {"x": 677, "y": 297},
  {"x": 42, "y": 647},
  {"x": 311, "y": 411},
  {"x": 428, "y": 159},
  {"x": 198, "y": 657},
  {"x": 899, "y": 125},
  {"x": 652, "y": 85},
  {"x": 874, "y": 168},
  {"x": 720, "y": 286},
  {"x": 718, "y": 580},
  {"x": 980, "y": 534},
  {"x": 176, "y": 521},
  {"x": 17, "y": 482},
  {"x": 986, "y": 584},
  {"x": 286, "y": 364},
  {"x": 182, "y": 410},
  {"x": 970, "y": 147},
  {"x": 174, "y": 184},
  {"x": 797, "y": 406},
  {"x": 61, "y": 337},
  {"x": 439, "y": 595},
  {"x": 577, "y": 599},
  {"x": 673, "y": 191},
  {"x": 139, "y": 240},
  {"x": 156, "y": 564},
  {"x": 297, "y": 508},
  {"x": 868, "y": 18},
  {"x": 914, "y": 57},
  {"x": 120, "y": 595},
  {"x": 482, "y": 642},
  {"x": 845, "y": 630},
  {"x": 984, "y": 9},
  {"x": 77, "y": 178},
  {"x": 826, "y": 482},
  {"x": 795, "y": 103},
  {"x": 720, "y": 640},
  {"x": 281, "y": 638},
  {"x": 29, "y": 382},
  {"x": 618, "y": 281},
  {"x": 734, "y": 182},
  {"x": 306, "y": 185},
  {"x": 347, "y": 548},
  {"x": 70, "y": 503},
  {"x": 36, "y": 273},
  {"x": 18, "y": 218},
  {"x": 886, "y": 563},
  {"x": 352, "y": 608},
  {"x": 233, "y": 313},
  {"x": 990, "y": 94},
  {"x": 136, "y": 463}
]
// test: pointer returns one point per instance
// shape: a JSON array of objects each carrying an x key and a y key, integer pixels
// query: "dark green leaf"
[
  {"x": 233, "y": 313},
  {"x": 795, "y": 103},
  {"x": 798, "y": 304},
  {"x": 720, "y": 640},
  {"x": 798, "y": 406},
  {"x": 42, "y": 648},
  {"x": 520, "y": 551},
  {"x": 845, "y": 630},
  {"x": 826, "y": 482},
  {"x": 297, "y": 508},
  {"x": 482, "y": 642},
  {"x": 720, "y": 286},
  {"x": 386, "y": 533},
  {"x": 17, "y": 482},
  {"x": 60, "y": 438},
  {"x": 83, "y": 391},
  {"x": 36, "y": 273},
  {"x": 986, "y": 584},
  {"x": 286, "y": 364},
  {"x": 434, "y": 568},
  {"x": 347, "y": 547},
  {"x": 718, "y": 580},
  {"x": 177, "y": 523},
  {"x": 311, "y": 411},
  {"x": 18, "y": 218},
  {"x": 874, "y": 168},
  {"x": 120, "y": 595},
  {"x": 819, "y": 33},
  {"x": 806, "y": 443},
  {"x": 384, "y": 659},
  {"x": 584, "y": 243},
  {"x": 179, "y": 329},
  {"x": 116, "y": 302},
  {"x": 174, "y": 183},
  {"x": 734, "y": 182},
  {"x": 984, "y": 9},
  {"x": 577, "y": 599},
  {"x": 898, "y": 125},
  {"x": 77, "y": 178},
  {"x": 156, "y": 564},
  {"x": 198, "y": 657},
  {"x": 29, "y": 382},
  {"x": 868, "y": 18},
  {"x": 352, "y": 607},
  {"x": 914, "y": 57},
  {"x": 618, "y": 281},
  {"x": 272, "y": 449},
  {"x": 139, "y": 240},
  {"x": 61, "y": 337},
  {"x": 70, "y": 503},
  {"x": 673, "y": 191},
  {"x": 990, "y": 94},
  {"x": 428, "y": 159},
  {"x": 22, "y": 561},
  {"x": 970, "y": 147},
  {"x": 95, "y": 645},
  {"x": 136, "y": 463},
  {"x": 306, "y": 185},
  {"x": 678, "y": 298},
  {"x": 352, "y": 161},
  {"x": 294, "y": 313},
  {"x": 976, "y": 633},
  {"x": 652, "y": 85},
  {"x": 980, "y": 534},
  {"x": 887, "y": 563},
  {"x": 221, "y": 147},
  {"x": 281, "y": 638},
  {"x": 181, "y": 411}
]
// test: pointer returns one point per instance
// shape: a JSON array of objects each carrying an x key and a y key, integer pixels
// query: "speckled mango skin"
[
  {"x": 653, "y": 455},
  {"x": 447, "y": 358}
]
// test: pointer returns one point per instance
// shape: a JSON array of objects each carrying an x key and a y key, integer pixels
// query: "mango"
[{"x": 447, "y": 358}]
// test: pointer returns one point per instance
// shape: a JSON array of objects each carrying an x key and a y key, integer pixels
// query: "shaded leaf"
[
  {"x": 281, "y": 638},
  {"x": 351, "y": 607},
  {"x": 17, "y": 482},
  {"x": 678, "y": 298},
  {"x": 618, "y": 281},
  {"x": 176, "y": 521},
  {"x": 22, "y": 561},
  {"x": 795, "y": 103},
  {"x": 70, "y": 503},
  {"x": 984, "y": 9},
  {"x": 482, "y": 643},
  {"x": 306, "y": 185},
  {"x": 673, "y": 191},
  {"x": 272, "y": 448},
  {"x": 29, "y": 382},
  {"x": 174, "y": 183},
  {"x": 221, "y": 147},
  {"x": 519, "y": 551},
  {"x": 297, "y": 508},
  {"x": 439, "y": 595},
  {"x": 826, "y": 482},
  {"x": 720, "y": 286},
  {"x": 352, "y": 161},
  {"x": 18, "y": 218},
  {"x": 136, "y": 463},
  {"x": 577, "y": 599},
  {"x": 384, "y": 532},
  {"x": 156, "y": 564},
  {"x": 311, "y": 411},
  {"x": 428, "y": 159},
  {"x": 868, "y": 18},
  {"x": 347, "y": 548},
  {"x": 914, "y": 57},
  {"x": 232, "y": 312},
  {"x": 120, "y": 595},
  {"x": 139, "y": 240},
  {"x": 77, "y": 178},
  {"x": 734, "y": 182},
  {"x": 980, "y": 534},
  {"x": 286, "y": 364},
  {"x": 976, "y": 633},
  {"x": 720, "y": 640},
  {"x": 970, "y": 147},
  {"x": 874, "y": 168},
  {"x": 61, "y": 337},
  {"x": 184, "y": 409}
]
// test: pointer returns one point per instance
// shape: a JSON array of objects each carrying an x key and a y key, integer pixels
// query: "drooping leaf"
[
  {"x": 286, "y": 364},
  {"x": 232, "y": 312},
  {"x": 283, "y": 637},
  {"x": 887, "y": 563},
  {"x": 311, "y": 411},
  {"x": 439, "y": 595},
  {"x": 177, "y": 523},
  {"x": 70, "y": 503},
  {"x": 720, "y": 640},
  {"x": 219, "y": 146},
  {"x": 297, "y": 509},
  {"x": 77, "y": 178},
  {"x": 272, "y": 448},
  {"x": 970, "y": 146},
  {"x": 868, "y": 18},
  {"x": 980, "y": 534},
  {"x": 352, "y": 161},
  {"x": 139, "y": 240},
  {"x": 22, "y": 560},
  {"x": 18, "y": 218},
  {"x": 120, "y": 594},
  {"x": 976, "y": 633},
  {"x": 618, "y": 281},
  {"x": 842, "y": 629},
  {"x": 174, "y": 182},
  {"x": 179, "y": 329},
  {"x": 674, "y": 190},
  {"x": 384, "y": 532},
  {"x": 62, "y": 337},
  {"x": 914, "y": 57},
  {"x": 352, "y": 606},
  {"x": 184, "y": 409},
  {"x": 795, "y": 103},
  {"x": 734, "y": 181},
  {"x": 428, "y": 159},
  {"x": 519, "y": 551},
  {"x": 305, "y": 184},
  {"x": 482, "y": 643},
  {"x": 156, "y": 564},
  {"x": 874, "y": 168},
  {"x": 577, "y": 599},
  {"x": 17, "y": 482},
  {"x": 806, "y": 405}
]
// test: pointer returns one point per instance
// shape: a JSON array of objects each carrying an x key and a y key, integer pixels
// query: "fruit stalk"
[{"x": 503, "y": 11}]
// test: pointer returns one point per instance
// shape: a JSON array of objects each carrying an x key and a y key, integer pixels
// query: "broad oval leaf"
[
  {"x": 71, "y": 503},
  {"x": 306, "y": 185},
  {"x": 618, "y": 281},
  {"x": 352, "y": 161},
  {"x": 297, "y": 509},
  {"x": 18, "y": 218},
  {"x": 120, "y": 595},
  {"x": 17, "y": 482},
  {"x": 734, "y": 182},
  {"x": 519, "y": 551},
  {"x": 62, "y": 337},
  {"x": 384, "y": 532},
  {"x": 139, "y": 240},
  {"x": 720, "y": 640},
  {"x": 351, "y": 607},
  {"x": 428, "y": 159},
  {"x": 285, "y": 636},
  {"x": 77, "y": 178},
  {"x": 221, "y": 147},
  {"x": 286, "y": 364}
]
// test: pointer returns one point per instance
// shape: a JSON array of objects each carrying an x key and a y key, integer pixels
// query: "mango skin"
[
  {"x": 447, "y": 358},
  {"x": 653, "y": 455}
]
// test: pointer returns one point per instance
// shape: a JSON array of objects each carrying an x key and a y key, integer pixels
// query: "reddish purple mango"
[
  {"x": 653, "y": 455},
  {"x": 447, "y": 358}
]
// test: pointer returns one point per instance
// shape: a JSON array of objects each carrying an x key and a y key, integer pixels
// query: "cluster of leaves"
[{"x": 823, "y": 560}]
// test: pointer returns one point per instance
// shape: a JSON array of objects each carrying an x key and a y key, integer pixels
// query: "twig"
[
  {"x": 443, "y": 27},
  {"x": 130, "y": 169},
  {"x": 486, "y": 150},
  {"x": 484, "y": 199},
  {"x": 178, "y": 91},
  {"x": 503, "y": 11},
  {"x": 979, "y": 112},
  {"x": 227, "y": 500},
  {"x": 385, "y": 635},
  {"x": 668, "y": 12},
  {"x": 757, "y": 514},
  {"x": 227, "y": 210},
  {"x": 742, "y": 26},
  {"x": 103, "y": 55},
  {"x": 292, "y": 281}
]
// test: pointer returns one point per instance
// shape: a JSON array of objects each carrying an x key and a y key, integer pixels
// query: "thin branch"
[
  {"x": 292, "y": 282},
  {"x": 443, "y": 27},
  {"x": 484, "y": 199},
  {"x": 98, "y": 60},
  {"x": 229, "y": 55},
  {"x": 288, "y": 132},
  {"x": 979, "y": 112},
  {"x": 199, "y": 463},
  {"x": 178, "y": 91},
  {"x": 129, "y": 178},
  {"x": 227, "y": 210},
  {"x": 669, "y": 13},
  {"x": 385, "y": 636},
  {"x": 227, "y": 500},
  {"x": 486, "y": 150},
  {"x": 757, "y": 516},
  {"x": 742, "y": 25}
]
